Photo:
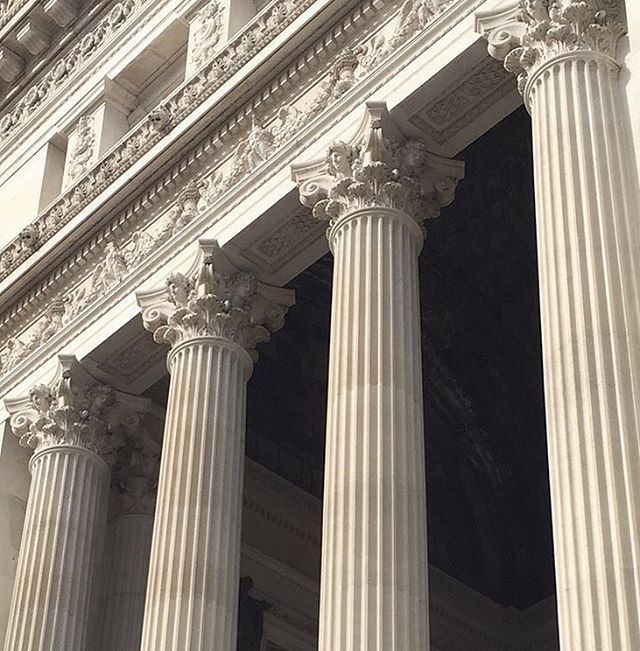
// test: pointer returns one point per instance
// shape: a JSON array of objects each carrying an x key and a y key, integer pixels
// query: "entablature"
[{"x": 234, "y": 185}]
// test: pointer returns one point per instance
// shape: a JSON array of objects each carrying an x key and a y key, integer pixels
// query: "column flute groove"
[
  {"x": 75, "y": 427},
  {"x": 213, "y": 322},
  {"x": 374, "y": 576},
  {"x": 565, "y": 56}
]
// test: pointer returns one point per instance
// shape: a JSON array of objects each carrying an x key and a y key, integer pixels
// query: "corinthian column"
[
  {"x": 589, "y": 266},
  {"x": 375, "y": 195},
  {"x": 133, "y": 496},
  {"x": 73, "y": 428},
  {"x": 213, "y": 322}
]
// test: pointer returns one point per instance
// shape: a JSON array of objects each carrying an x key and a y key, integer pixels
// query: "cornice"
[
  {"x": 156, "y": 206},
  {"x": 13, "y": 9}
]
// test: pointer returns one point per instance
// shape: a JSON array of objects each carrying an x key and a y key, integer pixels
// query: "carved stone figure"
[
  {"x": 83, "y": 149},
  {"x": 250, "y": 617},
  {"x": 206, "y": 33}
]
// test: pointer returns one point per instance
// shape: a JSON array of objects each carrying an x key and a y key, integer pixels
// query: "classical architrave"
[{"x": 284, "y": 154}]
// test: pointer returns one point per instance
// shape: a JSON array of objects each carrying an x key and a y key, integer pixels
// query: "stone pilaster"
[
  {"x": 375, "y": 195},
  {"x": 213, "y": 322},
  {"x": 75, "y": 428},
  {"x": 133, "y": 495},
  {"x": 589, "y": 265}
]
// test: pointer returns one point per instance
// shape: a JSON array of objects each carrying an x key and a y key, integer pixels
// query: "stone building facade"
[{"x": 319, "y": 326}]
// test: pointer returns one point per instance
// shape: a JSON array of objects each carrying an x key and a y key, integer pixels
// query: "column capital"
[
  {"x": 378, "y": 168},
  {"x": 215, "y": 300},
  {"x": 531, "y": 33},
  {"x": 74, "y": 410}
]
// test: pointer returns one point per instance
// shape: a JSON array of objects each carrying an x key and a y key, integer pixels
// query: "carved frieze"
[
  {"x": 344, "y": 75},
  {"x": 205, "y": 34},
  {"x": 67, "y": 66},
  {"x": 83, "y": 151},
  {"x": 234, "y": 158}
]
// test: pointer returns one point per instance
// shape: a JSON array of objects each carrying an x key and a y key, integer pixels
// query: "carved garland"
[
  {"x": 191, "y": 95},
  {"x": 259, "y": 145}
]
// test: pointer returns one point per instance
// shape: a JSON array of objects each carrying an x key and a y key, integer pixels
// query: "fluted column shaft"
[
  {"x": 61, "y": 544},
  {"x": 125, "y": 577},
  {"x": 589, "y": 266},
  {"x": 192, "y": 594},
  {"x": 374, "y": 554}
]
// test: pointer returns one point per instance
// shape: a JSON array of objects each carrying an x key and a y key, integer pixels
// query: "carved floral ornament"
[
  {"x": 235, "y": 306},
  {"x": 381, "y": 170},
  {"x": 120, "y": 256},
  {"x": 74, "y": 411},
  {"x": 64, "y": 68},
  {"x": 536, "y": 31},
  {"x": 414, "y": 16}
]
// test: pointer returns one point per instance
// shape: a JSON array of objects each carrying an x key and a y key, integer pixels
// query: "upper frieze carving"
[
  {"x": 229, "y": 59},
  {"x": 83, "y": 150},
  {"x": 537, "y": 31},
  {"x": 206, "y": 34},
  {"x": 229, "y": 305},
  {"x": 9, "y": 8},
  {"x": 74, "y": 411},
  {"x": 133, "y": 236},
  {"x": 381, "y": 169},
  {"x": 60, "y": 72}
]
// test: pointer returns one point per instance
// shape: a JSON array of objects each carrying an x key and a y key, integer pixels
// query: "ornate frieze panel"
[
  {"x": 242, "y": 147},
  {"x": 445, "y": 115},
  {"x": 206, "y": 34},
  {"x": 286, "y": 240},
  {"x": 237, "y": 52}
]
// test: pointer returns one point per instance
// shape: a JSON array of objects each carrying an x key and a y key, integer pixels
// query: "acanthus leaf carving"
[
  {"x": 230, "y": 305},
  {"x": 73, "y": 412},
  {"x": 381, "y": 170},
  {"x": 537, "y": 31}
]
